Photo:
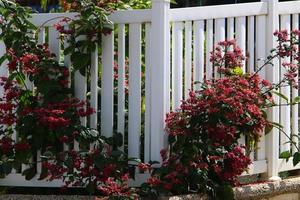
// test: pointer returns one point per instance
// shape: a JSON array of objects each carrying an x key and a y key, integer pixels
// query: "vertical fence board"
[
  {"x": 188, "y": 59},
  {"x": 209, "y": 47},
  {"x": 241, "y": 35},
  {"x": 219, "y": 36},
  {"x": 198, "y": 52},
  {"x": 230, "y": 28},
  {"x": 251, "y": 44},
  {"x": 54, "y": 42},
  {"x": 147, "y": 93},
  {"x": 121, "y": 79},
  {"x": 107, "y": 85},
  {"x": 134, "y": 123},
  {"x": 261, "y": 43},
  {"x": 295, "y": 119},
  {"x": 177, "y": 54},
  {"x": 285, "y": 111},
  {"x": 259, "y": 60},
  {"x": 94, "y": 91},
  {"x": 67, "y": 63}
]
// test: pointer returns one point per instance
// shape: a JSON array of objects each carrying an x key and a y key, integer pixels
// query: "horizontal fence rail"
[{"x": 150, "y": 63}]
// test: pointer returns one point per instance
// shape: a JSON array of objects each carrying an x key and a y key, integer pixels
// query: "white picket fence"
[{"x": 176, "y": 44}]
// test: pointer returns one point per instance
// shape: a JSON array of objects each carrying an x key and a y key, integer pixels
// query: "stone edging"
[
  {"x": 268, "y": 189},
  {"x": 247, "y": 192}
]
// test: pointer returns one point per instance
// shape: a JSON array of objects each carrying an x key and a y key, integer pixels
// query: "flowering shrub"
[
  {"x": 204, "y": 154},
  {"x": 39, "y": 105}
]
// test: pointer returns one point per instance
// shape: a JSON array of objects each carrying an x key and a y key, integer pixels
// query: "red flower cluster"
[
  {"x": 227, "y": 56},
  {"x": 107, "y": 177}
]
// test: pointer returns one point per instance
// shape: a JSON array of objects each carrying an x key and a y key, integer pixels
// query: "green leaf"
[
  {"x": 90, "y": 187},
  {"x": 296, "y": 158},
  {"x": 29, "y": 173},
  {"x": 225, "y": 192},
  {"x": 118, "y": 139},
  {"x": 2, "y": 59},
  {"x": 295, "y": 100},
  {"x": 281, "y": 96},
  {"x": 286, "y": 155}
]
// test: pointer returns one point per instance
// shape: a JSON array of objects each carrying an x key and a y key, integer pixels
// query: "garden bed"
[{"x": 285, "y": 189}]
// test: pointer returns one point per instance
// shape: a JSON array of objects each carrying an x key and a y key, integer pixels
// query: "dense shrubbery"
[{"x": 204, "y": 154}]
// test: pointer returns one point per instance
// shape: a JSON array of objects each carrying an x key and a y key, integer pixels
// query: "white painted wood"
[
  {"x": 39, "y": 162},
  {"x": 94, "y": 92},
  {"x": 286, "y": 166},
  {"x": 19, "y": 180},
  {"x": 107, "y": 85},
  {"x": 188, "y": 58},
  {"x": 198, "y": 53},
  {"x": 261, "y": 51},
  {"x": 80, "y": 87},
  {"x": 257, "y": 167},
  {"x": 220, "y": 11},
  {"x": 131, "y": 16},
  {"x": 68, "y": 64},
  {"x": 50, "y": 19},
  {"x": 289, "y": 7},
  {"x": 41, "y": 35},
  {"x": 251, "y": 44},
  {"x": 272, "y": 141},
  {"x": 134, "y": 108},
  {"x": 147, "y": 93},
  {"x": 241, "y": 36},
  {"x": 159, "y": 67},
  {"x": 261, "y": 151},
  {"x": 209, "y": 48},
  {"x": 295, "y": 114},
  {"x": 54, "y": 42},
  {"x": 219, "y": 37},
  {"x": 285, "y": 111},
  {"x": 230, "y": 28},
  {"x": 3, "y": 67},
  {"x": 177, "y": 72},
  {"x": 121, "y": 80}
]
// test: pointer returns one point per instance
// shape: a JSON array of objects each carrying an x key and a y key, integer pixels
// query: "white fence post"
[
  {"x": 3, "y": 68},
  {"x": 272, "y": 74},
  {"x": 160, "y": 30}
]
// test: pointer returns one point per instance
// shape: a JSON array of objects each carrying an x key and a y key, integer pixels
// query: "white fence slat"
[
  {"x": 285, "y": 111},
  {"x": 198, "y": 52},
  {"x": 134, "y": 108},
  {"x": 295, "y": 118},
  {"x": 121, "y": 79},
  {"x": 54, "y": 42},
  {"x": 260, "y": 57},
  {"x": 230, "y": 28},
  {"x": 219, "y": 36},
  {"x": 94, "y": 90},
  {"x": 177, "y": 55},
  {"x": 80, "y": 87},
  {"x": 107, "y": 85},
  {"x": 67, "y": 63},
  {"x": 39, "y": 162},
  {"x": 261, "y": 50},
  {"x": 241, "y": 35},
  {"x": 41, "y": 35},
  {"x": 3, "y": 67},
  {"x": 209, "y": 48},
  {"x": 219, "y": 11},
  {"x": 188, "y": 58},
  {"x": 251, "y": 44},
  {"x": 147, "y": 93}
]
